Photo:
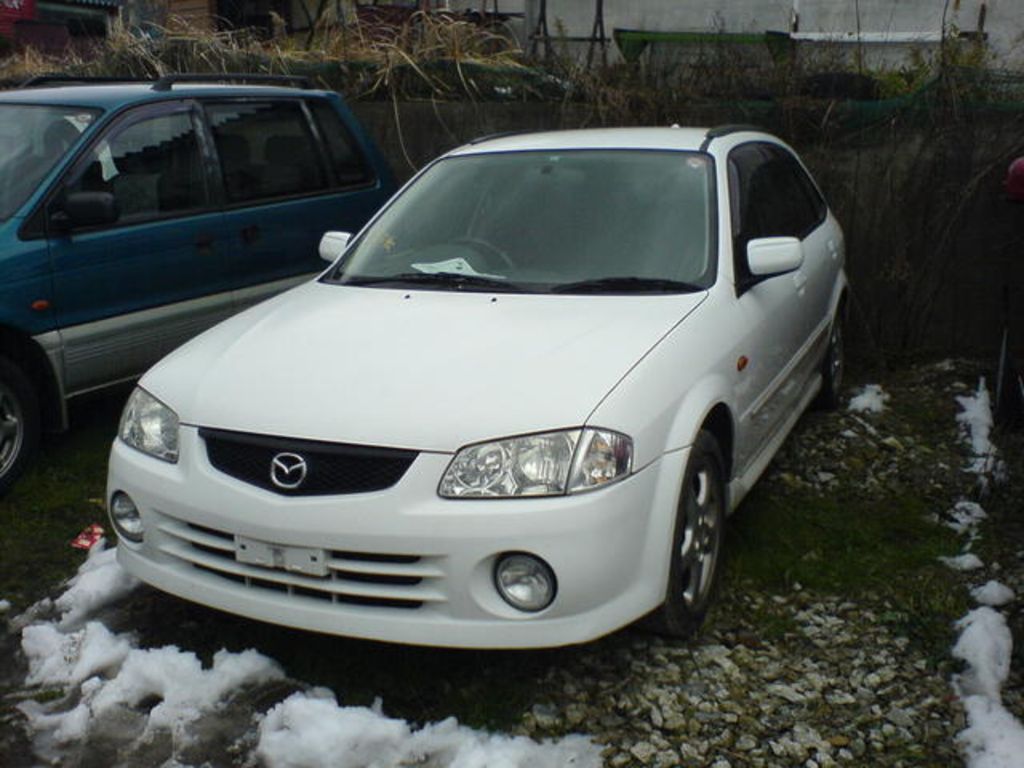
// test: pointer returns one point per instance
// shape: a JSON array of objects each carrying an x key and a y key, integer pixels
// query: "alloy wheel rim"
[
  {"x": 698, "y": 551},
  {"x": 12, "y": 432}
]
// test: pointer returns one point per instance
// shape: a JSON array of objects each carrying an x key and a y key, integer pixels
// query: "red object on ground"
[
  {"x": 87, "y": 539},
  {"x": 1015, "y": 181}
]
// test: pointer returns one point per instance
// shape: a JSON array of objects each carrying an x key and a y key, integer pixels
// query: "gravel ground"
[
  {"x": 842, "y": 688},
  {"x": 800, "y": 678},
  {"x": 788, "y": 677}
]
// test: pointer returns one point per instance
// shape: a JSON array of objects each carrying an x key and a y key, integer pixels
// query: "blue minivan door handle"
[
  {"x": 250, "y": 234},
  {"x": 204, "y": 242}
]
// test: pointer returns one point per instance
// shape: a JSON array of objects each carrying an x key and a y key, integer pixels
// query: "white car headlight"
[
  {"x": 149, "y": 426},
  {"x": 546, "y": 464}
]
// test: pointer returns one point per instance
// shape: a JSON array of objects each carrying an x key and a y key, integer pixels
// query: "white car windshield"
[
  {"x": 33, "y": 139},
  {"x": 570, "y": 221}
]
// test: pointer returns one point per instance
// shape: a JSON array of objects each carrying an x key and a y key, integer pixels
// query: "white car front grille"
[{"x": 402, "y": 581}]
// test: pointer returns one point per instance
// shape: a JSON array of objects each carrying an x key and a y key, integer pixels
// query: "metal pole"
[
  {"x": 529, "y": 23},
  {"x": 597, "y": 35}
]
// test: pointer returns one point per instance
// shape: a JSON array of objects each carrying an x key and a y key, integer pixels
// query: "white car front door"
[{"x": 776, "y": 354}]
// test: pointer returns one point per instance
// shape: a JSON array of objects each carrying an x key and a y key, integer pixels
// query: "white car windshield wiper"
[
  {"x": 442, "y": 280},
  {"x": 628, "y": 285}
]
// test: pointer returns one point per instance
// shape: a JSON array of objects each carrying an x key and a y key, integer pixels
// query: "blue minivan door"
[
  {"x": 290, "y": 172},
  {"x": 134, "y": 286}
]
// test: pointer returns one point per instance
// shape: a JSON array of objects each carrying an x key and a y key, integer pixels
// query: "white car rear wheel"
[{"x": 833, "y": 366}]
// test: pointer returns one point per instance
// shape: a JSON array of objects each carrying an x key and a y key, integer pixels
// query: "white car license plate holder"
[{"x": 309, "y": 561}]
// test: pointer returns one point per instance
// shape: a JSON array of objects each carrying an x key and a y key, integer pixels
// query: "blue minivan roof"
[{"x": 114, "y": 95}]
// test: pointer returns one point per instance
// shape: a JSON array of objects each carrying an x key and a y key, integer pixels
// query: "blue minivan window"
[
  {"x": 33, "y": 139},
  {"x": 266, "y": 149},
  {"x": 153, "y": 168},
  {"x": 349, "y": 166}
]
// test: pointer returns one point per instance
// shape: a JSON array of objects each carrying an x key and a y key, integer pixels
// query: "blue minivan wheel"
[{"x": 19, "y": 423}]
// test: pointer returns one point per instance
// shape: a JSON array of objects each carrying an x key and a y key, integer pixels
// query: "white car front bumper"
[{"x": 403, "y": 564}]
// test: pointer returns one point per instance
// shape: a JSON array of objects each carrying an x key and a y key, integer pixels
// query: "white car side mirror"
[
  {"x": 768, "y": 256},
  {"x": 333, "y": 244}
]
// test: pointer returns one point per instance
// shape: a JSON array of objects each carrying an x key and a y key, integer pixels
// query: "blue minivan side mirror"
[{"x": 86, "y": 209}]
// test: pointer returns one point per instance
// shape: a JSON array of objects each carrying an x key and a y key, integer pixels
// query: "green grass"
[
  {"x": 874, "y": 543},
  {"x": 60, "y": 495},
  {"x": 842, "y": 542}
]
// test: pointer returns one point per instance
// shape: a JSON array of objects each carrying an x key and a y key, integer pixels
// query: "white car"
[{"x": 514, "y": 413}]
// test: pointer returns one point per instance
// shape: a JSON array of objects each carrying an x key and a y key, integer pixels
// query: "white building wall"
[{"x": 893, "y": 25}]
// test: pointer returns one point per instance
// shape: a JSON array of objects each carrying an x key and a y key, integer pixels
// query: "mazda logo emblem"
[{"x": 288, "y": 470}]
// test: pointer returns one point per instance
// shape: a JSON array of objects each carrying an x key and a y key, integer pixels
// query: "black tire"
[
  {"x": 696, "y": 542},
  {"x": 19, "y": 423},
  {"x": 833, "y": 366}
]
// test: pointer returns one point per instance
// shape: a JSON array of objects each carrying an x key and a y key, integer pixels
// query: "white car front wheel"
[{"x": 696, "y": 542}]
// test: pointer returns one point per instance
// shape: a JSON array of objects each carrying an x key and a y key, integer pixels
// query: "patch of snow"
[
  {"x": 186, "y": 690},
  {"x": 56, "y": 658},
  {"x": 310, "y": 729},
  {"x": 993, "y": 593},
  {"x": 100, "y": 581},
  {"x": 871, "y": 399},
  {"x": 965, "y": 562},
  {"x": 63, "y": 727},
  {"x": 975, "y": 419},
  {"x": 993, "y": 738},
  {"x": 966, "y": 516},
  {"x": 985, "y": 644},
  {"x": 115, "y": 674},
  {"x": 113, "y": 686}
]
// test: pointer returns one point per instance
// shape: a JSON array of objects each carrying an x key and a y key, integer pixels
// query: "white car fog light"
[
  {"x": 125, "y": 517},
  {"x": 525, "y": 582}
]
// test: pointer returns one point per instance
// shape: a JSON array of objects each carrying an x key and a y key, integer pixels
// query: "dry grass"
[
  {"x": 24, "y": 64},
  {"x": 426, "y": 55},
  {"x": 449, "y": 57}
]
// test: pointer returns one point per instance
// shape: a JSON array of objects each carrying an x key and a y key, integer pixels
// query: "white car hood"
[{"x": 427, "y": 370}]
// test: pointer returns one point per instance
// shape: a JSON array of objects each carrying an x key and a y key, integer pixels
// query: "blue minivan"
[{"x": 134, "y": 215}]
